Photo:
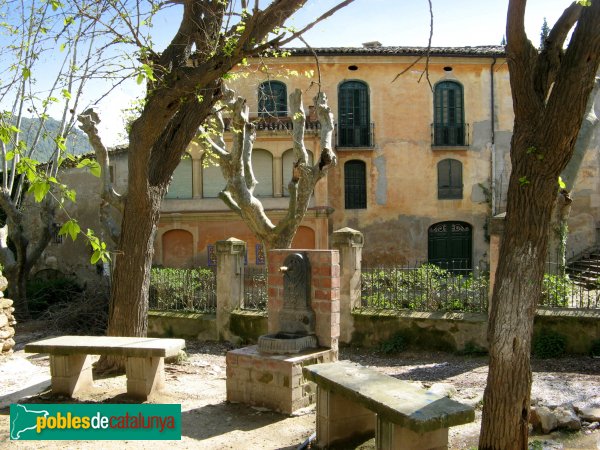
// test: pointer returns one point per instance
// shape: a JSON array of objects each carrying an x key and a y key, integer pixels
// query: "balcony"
[
  {"x": 355, "y": 136},
  {"x": 278, "y": 124},
  {"x": 448, "y": 136}
]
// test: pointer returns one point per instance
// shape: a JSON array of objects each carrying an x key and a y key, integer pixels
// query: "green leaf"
[
  {"x": 55, "y": 4},
  {"x": 91, "y": 165},
  {"x": 70, "y": 227},
  {"x": 523, "y": 181},
  {"x": 561, "y": 183},
  {"x": 10, "y": 155},
  {"x": 66, "y": 94},
  {"x": 40, "y": 188},
  {"x": 71, "y": 194},
  {"x": 140, "y": 78},
  {"x": 26, "y": 72},
  {"x": 62, "y": 47}
]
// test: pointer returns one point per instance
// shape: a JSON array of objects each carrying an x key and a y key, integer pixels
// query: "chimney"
[{"x": 372, "y": 44}]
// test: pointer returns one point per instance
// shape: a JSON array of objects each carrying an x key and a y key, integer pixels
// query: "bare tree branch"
[{"x": 89, "y": 120}]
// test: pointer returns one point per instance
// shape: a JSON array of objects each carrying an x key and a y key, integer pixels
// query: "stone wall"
[
  {"x": 456, "y": 332},
  {"x": 7, "y": 320}
]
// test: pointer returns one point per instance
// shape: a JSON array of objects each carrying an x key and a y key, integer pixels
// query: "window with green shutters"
[
  {"x": 354, "y": 129},
  {"x": 181, "y": 184},
  {"x": 355, "y": 185},
  {"x": 272, "y": 99},
  {"x": 449, "y": 122},
  {"x": 450, "y": 184}
]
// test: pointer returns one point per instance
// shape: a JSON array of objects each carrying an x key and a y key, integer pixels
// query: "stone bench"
[
  {"x": 71, "y": 365},
  {"x": 354, "y": 402}
]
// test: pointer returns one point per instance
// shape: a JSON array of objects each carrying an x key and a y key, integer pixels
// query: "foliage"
[
  {"x": 557, "y": 290},
  {"x": 43, "y": 293},
  {"x": 76, "y": 143},
  {"x": 183, "y": 289},
  {"x": 396, "y": 344},
  {"x": 426, "y": 288},
  {"x": 549, "y": 344},
  {"x": 84, "y": 313}
]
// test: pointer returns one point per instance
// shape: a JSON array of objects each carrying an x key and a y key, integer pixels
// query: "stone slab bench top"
[
  {"x": 107, "y": 345},
  {"x": 394, "y": 400}
]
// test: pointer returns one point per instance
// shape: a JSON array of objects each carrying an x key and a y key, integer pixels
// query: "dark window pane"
[
  {"x": 272, "y": 99},
  {"x": 354, "y": 120},
  {"x": 448, "y": 114},
  {"x": 450, "y": 183},
  {"x": 355, "y": 185}
]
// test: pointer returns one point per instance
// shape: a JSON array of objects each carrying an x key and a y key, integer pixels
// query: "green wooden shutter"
[
  {"x": 181, "y": 184},
  {"x": 262, "y": 164},
  {"x": 212, "y": 181}
]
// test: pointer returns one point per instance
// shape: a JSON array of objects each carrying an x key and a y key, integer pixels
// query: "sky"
[{"x": 391, "y": 22}]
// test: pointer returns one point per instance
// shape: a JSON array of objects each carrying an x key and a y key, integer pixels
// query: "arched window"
[
  {"x": 272, "y": 99},
  {"x": 355, "y": 185},
  {"x": 354, "y": 128},
  {"x": 449, "y": 117},
  {"x": 181, "y": 184},
  {"x": 450, "y": 184},
  {"x": 449, "y": 245},
  {"x": 287, "y": 163},
  {"x": 262, "y": 166}
]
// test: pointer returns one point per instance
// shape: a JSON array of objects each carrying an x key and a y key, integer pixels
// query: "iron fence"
[
  {"x": 425, "y": 287},
  {"x": 574, "y": 285},
  {"x": 255, "y": 288},
  {"x": 193, "y": 290}
]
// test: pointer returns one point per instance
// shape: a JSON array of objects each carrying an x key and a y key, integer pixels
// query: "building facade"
[{"x": 423, "y": 158}]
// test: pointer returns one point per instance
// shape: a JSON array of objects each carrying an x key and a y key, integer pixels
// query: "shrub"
[
  {"x": 557, "y": 290},
  {"x": 182, "y": 289},
  {"x": 396, "y": 344},
  {"x": 43, "y": 293},
  {"x": 549, "y": 344},
  {"x": 426, "y": 288}
]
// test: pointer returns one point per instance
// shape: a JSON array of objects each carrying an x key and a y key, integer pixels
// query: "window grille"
[{"x": 355, "y": 185}]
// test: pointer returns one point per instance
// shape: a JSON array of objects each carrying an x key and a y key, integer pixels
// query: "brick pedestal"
[{"x": 273, "y": 381}]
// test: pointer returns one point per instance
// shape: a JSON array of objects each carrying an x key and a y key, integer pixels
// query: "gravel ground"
[{"x": 209, "y": 422}]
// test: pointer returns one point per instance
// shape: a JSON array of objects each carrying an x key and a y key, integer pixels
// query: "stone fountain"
[
  {"x": 296, "y": 319},
  {"x": 303, "y": 329}
]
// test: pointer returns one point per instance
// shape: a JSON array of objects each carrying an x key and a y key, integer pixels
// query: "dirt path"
[{"x": 209, "y": 422}]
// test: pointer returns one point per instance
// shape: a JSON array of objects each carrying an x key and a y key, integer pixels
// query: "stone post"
[
  {"x": 349, "y": 243},
  {"x": 230, "y": 283},
  {"x": 7, "y": 320},
  {"x": 496, "y": 232}
]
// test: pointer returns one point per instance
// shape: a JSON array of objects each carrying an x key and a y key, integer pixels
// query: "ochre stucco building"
[{"x": 423, "y": 158}]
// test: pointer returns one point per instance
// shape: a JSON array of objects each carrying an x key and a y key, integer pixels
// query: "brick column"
[
  {"x": 230, "y": 282},
  {"x": 496, "y": 232},
  {"x": 325, "y": 292},
  {"x": 349, "y": 243}
]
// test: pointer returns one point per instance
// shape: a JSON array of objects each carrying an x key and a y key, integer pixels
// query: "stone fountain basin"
[{"x": 284, "y": 343}]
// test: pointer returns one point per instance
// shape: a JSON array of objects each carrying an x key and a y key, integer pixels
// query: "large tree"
[
  {"x": 184, "y": 83},
  {"x": 550, "y": 90}
]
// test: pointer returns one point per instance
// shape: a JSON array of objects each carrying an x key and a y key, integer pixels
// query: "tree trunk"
[
  {"x": 516, "y": 293},
  {"x": 550, "y": 91},
  {"x": 128, "y": 312}
]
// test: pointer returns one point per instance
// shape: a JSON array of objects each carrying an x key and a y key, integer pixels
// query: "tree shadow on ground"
[{"x": 212, "y": 420}]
